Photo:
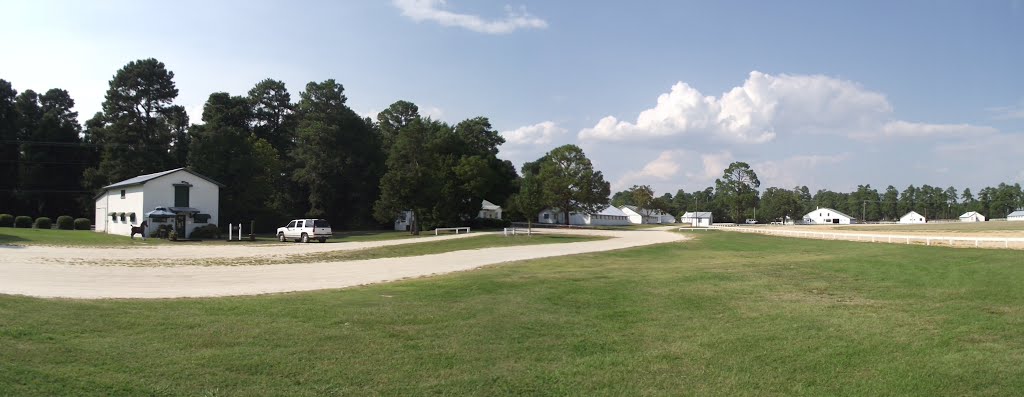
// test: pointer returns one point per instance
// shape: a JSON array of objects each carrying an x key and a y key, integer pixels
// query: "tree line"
[{"x": 735, "y": 198}]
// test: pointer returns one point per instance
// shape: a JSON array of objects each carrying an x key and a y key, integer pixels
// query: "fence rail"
[{"x": 978, "y": 242}]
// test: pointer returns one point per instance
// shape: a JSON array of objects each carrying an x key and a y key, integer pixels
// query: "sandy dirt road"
[{"x": 56, "y": 272}]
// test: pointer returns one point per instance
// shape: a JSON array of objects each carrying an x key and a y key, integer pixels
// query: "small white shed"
[
  {"x": 697, "y": 218},
  {"x": 489, "y": 210},
  {"x": 913, "y": 217},
  {"x": 827, "y": 216},
  {"x": 1017, "y": 215},
  {"x": 972, "y": 216}
]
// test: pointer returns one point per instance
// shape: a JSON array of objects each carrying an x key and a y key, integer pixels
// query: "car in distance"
[
  {"x": 304, "y": 230},
  {"x": 751, "y": 221}
]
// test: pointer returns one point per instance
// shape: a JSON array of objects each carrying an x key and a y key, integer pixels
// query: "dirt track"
[{"x": 56, "y": 272}]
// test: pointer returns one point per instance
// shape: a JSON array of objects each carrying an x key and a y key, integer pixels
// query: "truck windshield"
[{"x": 321, "y": 223}]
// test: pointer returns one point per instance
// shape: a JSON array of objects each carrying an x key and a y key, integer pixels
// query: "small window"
[
  {"x": 122, "y": 216},
  {"x": 291, "y": 224},
  {"x": 547, "y": 216},
  {"x": 122, "y": 193},
  {"x": 300, "y": 224},
  {"x": 321, "y": 223},
  {"x": 131, "y": 217},
  {"x": 113, "y": 216}
]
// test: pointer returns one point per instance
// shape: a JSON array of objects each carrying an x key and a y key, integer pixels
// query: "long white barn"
[
  {"x": 610, "y": 216},
  {"x": 827, "y": 216},
  {"x": 180, "y": 198}
]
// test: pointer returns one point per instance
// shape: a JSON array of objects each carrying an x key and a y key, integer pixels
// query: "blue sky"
[{"x": 824, "y": 94}]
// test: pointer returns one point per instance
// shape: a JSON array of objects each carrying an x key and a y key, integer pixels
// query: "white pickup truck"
[{"x": 304, "y": 230}]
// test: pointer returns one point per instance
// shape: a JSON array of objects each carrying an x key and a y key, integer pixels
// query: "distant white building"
[
  {"x": 913, "y": 217},
  {"x": 489, "y": 210},
  {"x": 1017, "y": 215},
  {"x": 404, "y": 221},
  {"x": 827, "y": 216},
  {"x": 610, "y": 216},
  {"x": 667, "y": 218},
  {"x": 638, "y": 216},
  {"x": 697, "y": 218},
  {"x": 972, "y": 216},
  {"x": 180, "y": 198}
]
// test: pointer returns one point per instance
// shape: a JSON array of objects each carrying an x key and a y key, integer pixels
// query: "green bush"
[
  {"x": 24, "y": 222},
  {"x": 81, "y": 224},
  {"x": 6, "y": 220},
  {"x": 207, "y": 231},
  {"x": 65, "y": 222},
  {"x": 43, "y": 223}
]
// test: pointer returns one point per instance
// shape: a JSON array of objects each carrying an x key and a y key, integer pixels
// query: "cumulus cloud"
[
  {"x": 433, "y": 10},
  {"x": 793, "y": 171},
  {"x": 664, "y": 167},
  {"x": 765, "y": 104},
  {"x": 537, "y": 134},
  {"x": 1015, "y": 112}
]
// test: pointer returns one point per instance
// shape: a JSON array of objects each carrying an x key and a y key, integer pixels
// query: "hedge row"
[{"x": 64, "y": 222}]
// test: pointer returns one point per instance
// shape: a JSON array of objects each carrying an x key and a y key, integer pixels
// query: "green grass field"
[
  {"x": 726, "y": 314},
  {"x": 86, "y": 238},
  {"x": 952, "y": 227}
]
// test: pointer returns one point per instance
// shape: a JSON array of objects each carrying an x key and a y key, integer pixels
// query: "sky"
[{"x": 830, "y": 95}]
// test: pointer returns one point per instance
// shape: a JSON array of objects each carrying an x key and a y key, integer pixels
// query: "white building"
[
  {"x": 697, "y": 219},
  {"x": 638, "y": 216},
  {"x": 667, "y": 219},
  {"x": 972, "y": 216},
  {"x": 610, "y": 216},
  {"x": 913, "y": 217},
  {"x": 180, "y": 198},
  {"x": 489, "y": 210},
  {"x": 1017, "y": 215},
  {"x": 827, "y": 216}
]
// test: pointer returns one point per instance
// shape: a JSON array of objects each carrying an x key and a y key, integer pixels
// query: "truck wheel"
[
  {"x": 305, "y": 238},
  {"x": 280, "y": 237}
]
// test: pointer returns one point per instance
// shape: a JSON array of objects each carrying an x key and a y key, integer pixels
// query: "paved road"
[{"x": 54, "y": 272}]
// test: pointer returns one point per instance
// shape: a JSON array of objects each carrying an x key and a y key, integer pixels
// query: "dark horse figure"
[{"x": 141, "y": 230}]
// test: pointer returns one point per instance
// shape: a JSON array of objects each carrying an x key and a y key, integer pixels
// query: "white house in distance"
[
  {"x": 827, "y": 216},
  {"x": 610, "y": 216},
  {"x": 913, "y": 217},
  {"x": 489, "y": 210},
  {"x": 697, "y": 218},
  {"x": 972, "y": 216},
  {"x": 1017, "y": 215},
  {"x": 179, "y": 197}
]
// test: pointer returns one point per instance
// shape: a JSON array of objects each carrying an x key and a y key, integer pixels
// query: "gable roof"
[
  {"x": 611, "y": 210},
  {"x": 699, "y": 214},
  {"x": 969, "y": 214},
  {"x": 909, "y": 214},
  {"x": 141, "y": 179},
  {"x": 487, "y": 205},
  {"x": 1016, "y": 213},
  {"x": 651, "y": 211},
  {"x": 830, "y": 210}
]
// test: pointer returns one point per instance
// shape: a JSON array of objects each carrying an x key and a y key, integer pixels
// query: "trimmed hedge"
[
  {"x": 208, "y": 231},
  {"x": 6, "y": 220},
  {"x": 83, "y": 224},
  {"x": 65, "y": 222},
  {"x": 23, "y": 222},
  {"x": 43, "y": 223}
]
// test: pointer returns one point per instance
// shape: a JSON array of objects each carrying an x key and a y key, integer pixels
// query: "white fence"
[{"x": 980, "y": 242}]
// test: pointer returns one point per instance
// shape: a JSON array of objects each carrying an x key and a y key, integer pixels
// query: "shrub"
[
  {"x": 207, "y": 231},
  {"x": 65, "y": 222},
  {"x": 23, "y": 222},
  {"x": 81, "y": 224},
  {"x": 43, "y": 223},
  {"x": 6, "y": 220}
]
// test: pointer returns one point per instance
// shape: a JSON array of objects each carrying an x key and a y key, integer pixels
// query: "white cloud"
[
  {"x": 432, "y": 10},
  {"x": 714, "y": 164},
  {"x": 766, "y": 104},
  {"x": 537, "y": 134},
  {"x": 1015, "y": 112},
  {"x": 794, "y": 170},
  {"x": 664, "y": 167},
  {"x": 433, "y": 112},
  {"x": 908, "y": 129}
]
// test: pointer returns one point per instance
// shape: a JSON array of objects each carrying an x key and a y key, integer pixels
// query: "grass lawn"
[
  {"x": 726, "y": 314},
  {"x": 90, "y": 238},
  {"x": 952, "y": 227}
]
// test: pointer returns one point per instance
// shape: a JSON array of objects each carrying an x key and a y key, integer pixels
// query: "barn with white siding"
[
  {"x": 913, "y": 217},
  {"x": 180, "y": 198},
  {"x": 827, "y": 216},
  {"x": 972, "y": 216},
  {"x": 697, "y": 218},
  {"x": 609, "y": 216},
  {"x": 1017, "y": 215}
]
